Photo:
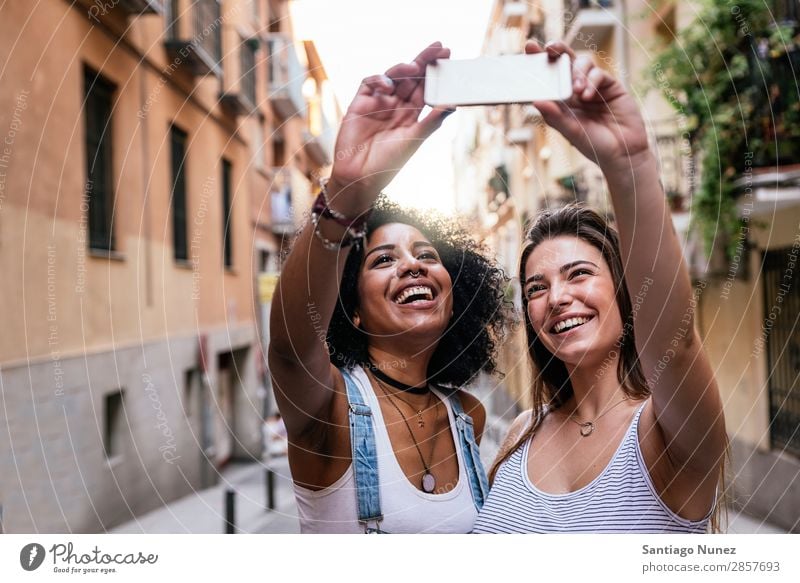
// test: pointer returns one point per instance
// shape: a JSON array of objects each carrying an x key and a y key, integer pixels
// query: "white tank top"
[{"x": 405, "y": 508}]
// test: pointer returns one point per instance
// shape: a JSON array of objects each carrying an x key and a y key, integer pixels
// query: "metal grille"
[
  {"x": 248, "y": 77},
  {"x": 782, "y": 325},
  {"x": 207, "y": 22}
]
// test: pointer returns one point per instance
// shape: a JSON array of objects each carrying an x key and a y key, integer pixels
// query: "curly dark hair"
[{"x": 480, "y": 310}]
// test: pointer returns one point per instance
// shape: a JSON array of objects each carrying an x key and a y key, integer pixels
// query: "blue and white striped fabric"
[{"x": 621, "y": 499}]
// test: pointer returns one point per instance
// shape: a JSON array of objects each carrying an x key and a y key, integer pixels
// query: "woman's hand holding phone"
[
  {"x": 381, "y": 131},
  {"x": 600, "y": 119}
]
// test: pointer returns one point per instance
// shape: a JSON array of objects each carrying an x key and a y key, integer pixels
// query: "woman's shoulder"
[
  {"x": 520, "y": 424},
  {"x": 473, "y": 407}
]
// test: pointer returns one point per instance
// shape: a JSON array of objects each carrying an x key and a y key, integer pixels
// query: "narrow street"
[{"x": 204, "y": 511}]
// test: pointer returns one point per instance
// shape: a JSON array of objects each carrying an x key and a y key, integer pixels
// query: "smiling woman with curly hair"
[
  {"x": 467, "y": 346},
  {"x": 380, "y": 318}
]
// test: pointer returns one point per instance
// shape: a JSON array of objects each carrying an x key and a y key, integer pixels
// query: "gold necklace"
[
  {"x": 587, "y": 427},
  {"x": 428, "y": 481},
  {"x": 420, "y": 420}
]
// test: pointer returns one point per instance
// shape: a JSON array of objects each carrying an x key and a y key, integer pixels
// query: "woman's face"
[
  {"x": 571, "y": 300},
  {"x": 404, "y": 290}
]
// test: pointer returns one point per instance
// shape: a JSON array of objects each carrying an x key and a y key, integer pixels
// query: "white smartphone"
[{"x": 494, "y": 80}]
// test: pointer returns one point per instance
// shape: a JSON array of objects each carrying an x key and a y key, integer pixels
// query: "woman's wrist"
[
  {"x": 352, "y": 228},
  {"x": 628, "y": 163},
  {"x": 348, "y": 200}
]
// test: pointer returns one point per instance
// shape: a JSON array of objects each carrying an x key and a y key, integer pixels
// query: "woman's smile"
[
  {"x": 571, "y": 300},
  {"x": 404, "y": 286}
]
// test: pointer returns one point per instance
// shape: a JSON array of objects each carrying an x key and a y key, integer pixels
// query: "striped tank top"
[{"x": 622, "y": 499}]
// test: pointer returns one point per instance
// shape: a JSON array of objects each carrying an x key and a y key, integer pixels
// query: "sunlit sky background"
[{"x": 357, "y": 38}]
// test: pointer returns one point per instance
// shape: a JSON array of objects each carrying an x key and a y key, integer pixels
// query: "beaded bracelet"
[{"x": 356, "y": 228}]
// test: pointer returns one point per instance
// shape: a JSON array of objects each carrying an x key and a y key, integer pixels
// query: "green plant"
[{"x": 730, "y": 75}]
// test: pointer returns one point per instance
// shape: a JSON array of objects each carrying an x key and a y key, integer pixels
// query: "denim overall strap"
[
  {"x": 469, "y": 448},
  {"x": 365, "y": 456}
]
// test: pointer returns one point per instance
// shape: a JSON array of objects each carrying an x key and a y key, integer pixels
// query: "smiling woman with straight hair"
[
  {"x": 380, "y": 318},
  {"x": 626, "y": 433}
]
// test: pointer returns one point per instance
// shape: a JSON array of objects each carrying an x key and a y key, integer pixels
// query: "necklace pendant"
[
  {"x": 420, "y": 420},
  {"x": 587, "y": 429},
  {"x": 428, "y": 482}
]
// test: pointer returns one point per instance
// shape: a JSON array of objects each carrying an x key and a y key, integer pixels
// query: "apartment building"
[
  {"x": 156, "y": 156},
  {"x": 747, "y": 307}
]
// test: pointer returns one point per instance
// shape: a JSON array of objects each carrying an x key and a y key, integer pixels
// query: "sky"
[{"x": 358, "y": 38}]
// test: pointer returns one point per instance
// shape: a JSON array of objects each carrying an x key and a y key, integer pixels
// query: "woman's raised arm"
[{"x": 379, "y": 133}]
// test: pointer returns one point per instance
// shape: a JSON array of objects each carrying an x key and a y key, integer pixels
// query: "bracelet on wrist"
[{"x": 356, "y": 228}]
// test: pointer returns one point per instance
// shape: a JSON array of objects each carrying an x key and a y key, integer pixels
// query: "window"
[
  {"x": 99, "y": 192},
  {"x": 178, "y": 140},
  {"x": 207, "y": 23},
  {"x": 188, "y": 392},
  {"x": 258, "y": 146},
  {"x": 264, "y": 261},
  {"x": 227, "y": 225},
  {"x": 113, "y": 411},
  {"x": 274, "y": 16},
  {"x": 278, "y": 149},
  {"x": 171, "y": 13},
  {"x": 248, "y": 74}
]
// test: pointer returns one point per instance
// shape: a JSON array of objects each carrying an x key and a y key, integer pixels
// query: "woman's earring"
[{"x": 357, "y": 320}]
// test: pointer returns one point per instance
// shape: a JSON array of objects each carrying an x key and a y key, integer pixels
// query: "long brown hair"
[{"x": 551, "y": 384}]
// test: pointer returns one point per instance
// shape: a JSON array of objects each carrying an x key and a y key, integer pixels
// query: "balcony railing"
[
  {"x": 281, "y": 205},
  {"x": 194, "y": 35},
  {"x": 141, "y": 6},
  {"x": 786, "y": 11},
  {"x": 514, "y": 12},
  {"x": 240, "y": 98},
  {"x": 587, "y": 22},
  {"x": 290, "y": 197},
  {"x": 676, "y": 162},
  {"x": 773, "y": 134},
  {"x": 320, "y": 136},
  {"x": 97, "y": 9},
  {"x": 286, "y": 76}
]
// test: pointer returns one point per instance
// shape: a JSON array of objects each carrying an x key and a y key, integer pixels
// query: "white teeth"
[
  {"x": 570, "y": 323},
  {"x": 417, "y": 290}
]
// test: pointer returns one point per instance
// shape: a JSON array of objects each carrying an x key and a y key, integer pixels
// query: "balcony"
[
  {"x": 676, "y": 162},
  {"x": 286, "y": 76},
  {"x": 773, "y": 132},
  {"x": 240, "y": 97},
  {"x": 519, "y": 136},
  {"x": 194, "y": 36},
  {"x": 320, "y": 136},
  {"x": 290, "y": 198},
  {"x": 769, "y": 189},
  {"x": 97, "y": 9},
  {"x": 588, "y": 23},
  {"x": 514, "y": 13},
  {"x": 141, "y": 6},
  {"x": 520, "y": 121},
  {"x": 281, "y": 208}
]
